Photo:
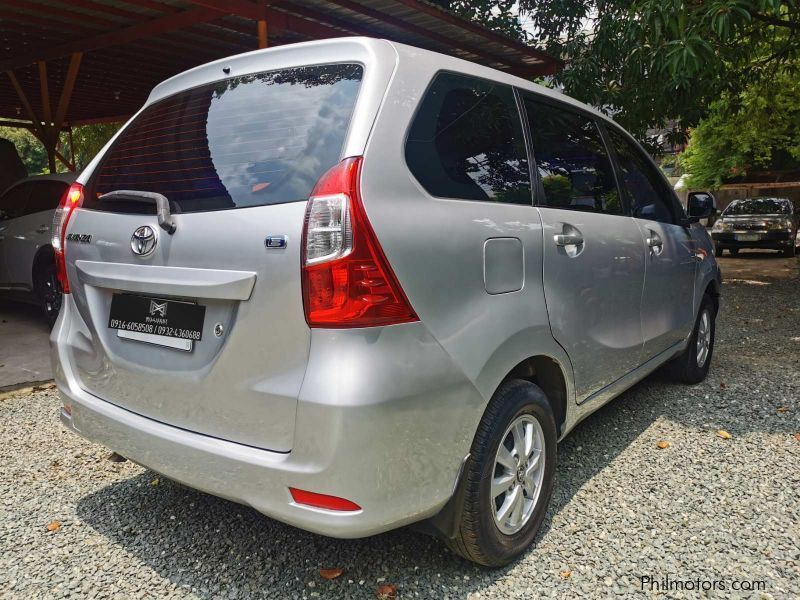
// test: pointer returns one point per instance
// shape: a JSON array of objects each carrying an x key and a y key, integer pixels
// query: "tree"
[
  {"x": 757, "y": 128},
  {"x": 30, "y": 149},
  {"x": 658, "y": 63},
  {"x": 499, "y": 15},
  {"x": 87, "y": 141}
]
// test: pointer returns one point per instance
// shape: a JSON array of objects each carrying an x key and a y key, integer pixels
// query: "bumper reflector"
[{"x": 322, "y": 501}]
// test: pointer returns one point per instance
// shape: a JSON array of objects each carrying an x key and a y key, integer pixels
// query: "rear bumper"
[
  {"x": 384, "y": 420},
  {"x": 769, "y": 240}
]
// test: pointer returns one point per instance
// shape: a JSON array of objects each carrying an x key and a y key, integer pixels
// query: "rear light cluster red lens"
[
  {"x": 322, "y": 500},
  {"x": 347, "y": 281},
  {"x": 72, "y": 199}
]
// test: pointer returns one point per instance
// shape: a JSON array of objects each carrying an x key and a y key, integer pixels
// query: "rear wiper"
[{"x": 165, "y": 220}]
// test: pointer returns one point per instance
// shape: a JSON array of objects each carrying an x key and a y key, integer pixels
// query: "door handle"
[
  {"x": 655, "y": 242},
  {"x": 569, "y": 237}
]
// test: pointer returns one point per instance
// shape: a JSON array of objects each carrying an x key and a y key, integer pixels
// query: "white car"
[{"x": 27, "y": 264}]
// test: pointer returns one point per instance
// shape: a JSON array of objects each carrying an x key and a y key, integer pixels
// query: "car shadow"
[
  {"x": 187, "y": 536},
  {"x": 23, "y": 312},
  {"x": 246, "y": 551},
  {"x": 253, "y": 552}
]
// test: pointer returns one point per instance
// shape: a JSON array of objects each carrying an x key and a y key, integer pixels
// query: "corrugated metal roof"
[{"x": 131, "y": 45}]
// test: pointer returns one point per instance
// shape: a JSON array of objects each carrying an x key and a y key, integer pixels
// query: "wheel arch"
[
  {"x": 43, "y": 256},
  {"x": 547, "y": 373},
  {"x": 542, "y": 370},
  {"x": 714, "y": 291}
]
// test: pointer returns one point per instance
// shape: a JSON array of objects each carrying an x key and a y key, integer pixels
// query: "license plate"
[
  {"x": 169, "y": 323},
  {"x": 747, "y": 237}
]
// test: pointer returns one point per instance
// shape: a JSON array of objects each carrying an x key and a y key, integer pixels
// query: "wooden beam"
[
  {"x": 113, "y": 119},
  {"x": 47, "y": 114},
  {"x": 37, "y": 123},
  {"x": 71, "y": 148},
  {"x": 148, "y": 28},
  {"x": 66, "y": 91},
  {"x": 28, "y": 126},
  {"x": 242, "y": 8},
  {"x": 64, "y": 161},
  {"x": 153, "y": 5},
  {"x": 262, "y": 33}
]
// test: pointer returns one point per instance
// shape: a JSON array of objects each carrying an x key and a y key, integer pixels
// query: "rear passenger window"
[
  {"x": 45, "y": 195},
  {"x": 650, "y": 196},
  {"x": 466, "y": 142},
  {"x": 571, "y": 159}
]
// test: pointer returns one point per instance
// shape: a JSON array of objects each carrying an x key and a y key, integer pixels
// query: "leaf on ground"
[
  {"x": 53, "y": 526},
  {"x": 565, "y": 574},
  {"x": 724, "y": 434},
  {"x": 662, "y": 445},
  {"x": 386, "y": 591},
  {"x": 154, "y": 482},
  {"x": 783, "y": 409},
  {"x": 330, "y": 573},
  {"x": 723, "y": 385},
  {"x": 797, "y": 436}
]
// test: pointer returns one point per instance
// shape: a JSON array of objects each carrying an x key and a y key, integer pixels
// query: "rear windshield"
[
  {"x": 759, "y": 206},
  {"x": 252, "y": 140}
]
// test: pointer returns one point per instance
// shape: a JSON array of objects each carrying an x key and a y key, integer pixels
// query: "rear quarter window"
[
  {"x": 252, "y": 140},
  {"x": 466, "y": 142}
]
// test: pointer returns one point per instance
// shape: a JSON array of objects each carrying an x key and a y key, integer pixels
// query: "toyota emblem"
[{"x": 143, "y": 241}]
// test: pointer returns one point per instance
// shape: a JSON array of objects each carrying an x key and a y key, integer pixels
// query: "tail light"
[
  {"x": 347, "y": 281},
  {"x": 72, "y": 199}
]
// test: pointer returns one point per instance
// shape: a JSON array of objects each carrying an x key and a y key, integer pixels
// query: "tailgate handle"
[
  {"x": 168, "y": 281},
  {"x": 165, "y": 220}
]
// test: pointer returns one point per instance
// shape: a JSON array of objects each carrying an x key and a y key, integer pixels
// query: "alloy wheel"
[{"x": 518, "y": 473}]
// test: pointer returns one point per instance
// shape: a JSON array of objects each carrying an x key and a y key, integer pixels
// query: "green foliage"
[
  {"x": 661, "y": 63},
  {"x": 87, "y": 141},
  {"x": 30, "y": 149},
  {"x": 558, "y": 190},
  {"x": 499, "y": 15},
  {"x": 758, "y": 128}
]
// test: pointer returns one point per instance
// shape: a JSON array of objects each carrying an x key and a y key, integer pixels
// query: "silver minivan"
[{"x": 358, "y": 285}]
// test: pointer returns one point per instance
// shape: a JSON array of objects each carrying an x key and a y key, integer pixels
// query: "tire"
[
  {"x": 734, "y": 251},
  {"x": 686, "y": 368},
  {"x": 479, "y": 537},
  {"x": 718, "y": 250},
  {"x": 790, "y": 252},
  {"x": 48, "y": 289}
]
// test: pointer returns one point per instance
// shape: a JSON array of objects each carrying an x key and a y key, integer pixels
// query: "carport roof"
[{"x": 96, "y": 60}]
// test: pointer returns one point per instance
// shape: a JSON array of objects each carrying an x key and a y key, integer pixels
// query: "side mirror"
[{"x": 700, "y": 205}]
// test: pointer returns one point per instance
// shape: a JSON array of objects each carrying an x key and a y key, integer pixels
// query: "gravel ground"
[{"x": 704, "y": 507}]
